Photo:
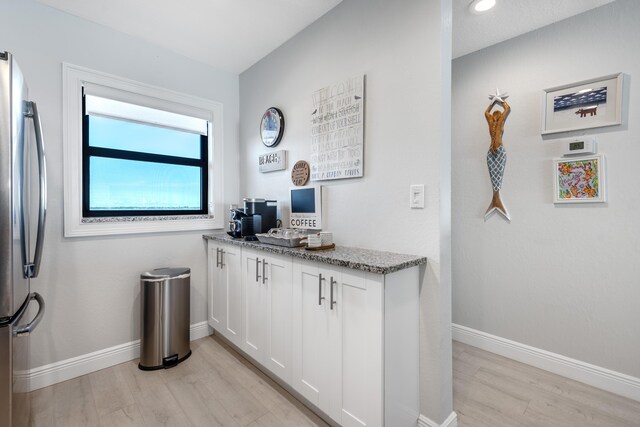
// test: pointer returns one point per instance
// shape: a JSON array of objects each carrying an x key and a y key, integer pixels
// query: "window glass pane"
[
  {"x": 123, "y": 135},
  {"x": 117, "y": 184}
]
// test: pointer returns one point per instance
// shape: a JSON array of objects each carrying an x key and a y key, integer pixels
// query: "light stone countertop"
[{"x": 379, "y": 262}]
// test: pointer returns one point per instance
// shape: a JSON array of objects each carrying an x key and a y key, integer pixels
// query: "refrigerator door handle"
[
  {"x": 32, "y": 268},
  {"x": 20, "y": 331}
]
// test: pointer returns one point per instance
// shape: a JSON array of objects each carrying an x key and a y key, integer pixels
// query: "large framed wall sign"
[
  {"x": 584, "y": 105},
  {"x": 337, "y": 130}
]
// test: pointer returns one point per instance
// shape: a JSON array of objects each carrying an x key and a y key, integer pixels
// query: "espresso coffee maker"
[{"x": 257, "y": 216}]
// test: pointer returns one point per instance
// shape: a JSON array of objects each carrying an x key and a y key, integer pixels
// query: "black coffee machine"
[{"x": 257, "y": 216}]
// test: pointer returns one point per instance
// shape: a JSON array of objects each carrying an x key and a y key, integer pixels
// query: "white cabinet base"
[
  {"x": 343, "y": 341},
  {"x": 402, "y": 348},
  {"x": 356, "y": 343}
]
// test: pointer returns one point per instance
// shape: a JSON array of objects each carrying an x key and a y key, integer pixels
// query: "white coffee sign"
[
  {"x": 274, "y": 161},
  {"x": 337, "y": 129}
]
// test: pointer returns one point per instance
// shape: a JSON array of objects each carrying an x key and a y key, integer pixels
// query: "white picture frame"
[
  {"x": 579, "y": 179},
  {"x": 583, "y": 105}
]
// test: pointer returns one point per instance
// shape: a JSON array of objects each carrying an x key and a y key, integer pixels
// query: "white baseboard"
[
  {"x": 451, "y": 421},
  {"x": 596, "y": 376},
  {"x": 200, "y": 330},
  {"x": 44, "y": 376}
]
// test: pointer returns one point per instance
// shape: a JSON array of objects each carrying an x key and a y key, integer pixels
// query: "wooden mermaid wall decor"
[{"x": 497, "y": 155}]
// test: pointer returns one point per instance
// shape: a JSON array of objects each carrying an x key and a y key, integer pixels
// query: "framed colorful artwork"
[
  {"x": 579, "y": 179},
  {"x": 584, "y": 105}
]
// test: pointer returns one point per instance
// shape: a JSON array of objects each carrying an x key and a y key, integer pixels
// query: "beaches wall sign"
[
  {"x": 337, "y": 130},
  {"x": 274, "y": 161}
]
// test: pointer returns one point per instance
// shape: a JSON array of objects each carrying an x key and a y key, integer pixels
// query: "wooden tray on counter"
[{"x": 321, "y": 248}]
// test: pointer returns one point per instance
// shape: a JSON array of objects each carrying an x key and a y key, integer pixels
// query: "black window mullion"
[{"x": 142, "y": 157}]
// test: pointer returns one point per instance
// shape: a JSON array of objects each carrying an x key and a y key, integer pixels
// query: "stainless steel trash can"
[{"x": 165, "y": 316}]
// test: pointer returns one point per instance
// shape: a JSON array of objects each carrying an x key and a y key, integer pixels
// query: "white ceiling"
[
  {"x": 508, "y": 19},
  {"x": 233, "y": 35}
]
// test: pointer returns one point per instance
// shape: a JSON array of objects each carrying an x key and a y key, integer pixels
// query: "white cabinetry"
[
  {"x": 340, "y": 358},
  {"x": 346, "y": 340},
  {"x": 266, "y": 303},
  {"x": 225, "y": 297}
]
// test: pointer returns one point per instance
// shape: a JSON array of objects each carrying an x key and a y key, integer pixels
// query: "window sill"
[{"x": 117, "y": 219}]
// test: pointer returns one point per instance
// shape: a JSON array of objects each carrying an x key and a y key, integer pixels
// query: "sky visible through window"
[{"x": 118, "y": 184}]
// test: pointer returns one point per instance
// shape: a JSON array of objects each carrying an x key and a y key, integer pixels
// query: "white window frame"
[{"x": 74, "y": 78}]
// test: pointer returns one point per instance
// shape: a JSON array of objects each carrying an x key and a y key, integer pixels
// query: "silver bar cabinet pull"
[
  {"x": 257, "y": 270},
  {"x": 320, "y": 297},
  {"x": 221, "y": 258},
  {"x": 333, "y": 302},
  {"x": 217, "y": 257},
  {"x": 264, "y": 265}
]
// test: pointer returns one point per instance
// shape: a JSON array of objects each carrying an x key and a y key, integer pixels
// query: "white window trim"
[{"x": 73, "y": 79}]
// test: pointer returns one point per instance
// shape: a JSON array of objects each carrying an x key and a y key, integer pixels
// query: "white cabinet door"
[
  {"x": 316, "y": 337},
  {"x": 267, "y": 283},
  {"x": 253, "y": 304},
  {"x": 278, "y": 279},
  {"x": 225, "y": 290},
  {"x": 216, "y": 289},
  {"x": 231, "y": 269},
  {"x": 362, "y": 323}
]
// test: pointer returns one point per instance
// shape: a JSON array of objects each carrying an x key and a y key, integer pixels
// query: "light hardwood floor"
[
  {"x": 213, "y": 387},
  {"x": 490, "y": 390},
  {"x": 218, "y": 387}
]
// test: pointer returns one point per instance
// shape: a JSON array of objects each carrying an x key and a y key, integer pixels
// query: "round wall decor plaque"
[{"x": 300, "y": 173}]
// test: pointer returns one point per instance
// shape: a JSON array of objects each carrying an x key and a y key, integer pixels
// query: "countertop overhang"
[{"x": 379, "y": 262}]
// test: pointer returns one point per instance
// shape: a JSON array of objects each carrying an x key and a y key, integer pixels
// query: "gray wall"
[
  {"x": 91, "y": 285},
  {"x": 560, "y": 278},
  {"x": 404, "y": 51}
]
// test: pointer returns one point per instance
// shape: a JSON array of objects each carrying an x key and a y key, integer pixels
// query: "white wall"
[
  {"x": 398, "y": 46},
  {"x": 560, "y": 278},
  {"x": 91, "y": 285}
]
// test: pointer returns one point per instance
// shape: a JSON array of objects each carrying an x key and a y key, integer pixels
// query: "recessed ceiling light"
[{"x": 481, "y": 6}]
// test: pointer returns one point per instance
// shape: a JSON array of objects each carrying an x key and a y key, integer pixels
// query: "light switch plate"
[{"x": 416, "y": 196}]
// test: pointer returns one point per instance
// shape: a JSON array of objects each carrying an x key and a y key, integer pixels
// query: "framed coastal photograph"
[
  {"x": 579, "y": 180},
  {"x": 588, "y": 104}
]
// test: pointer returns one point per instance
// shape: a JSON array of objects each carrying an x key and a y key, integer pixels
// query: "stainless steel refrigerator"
[{"x": 23, "y": 200}]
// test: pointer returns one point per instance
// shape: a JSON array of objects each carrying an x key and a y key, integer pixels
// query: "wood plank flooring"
[
  {"x": 218, "y": 387},
  {"x": 493, "y": 391},
  {"x": 214, "y": 387}
]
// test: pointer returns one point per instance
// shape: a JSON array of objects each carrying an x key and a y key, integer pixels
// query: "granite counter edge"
[{"x": 324, "y": 257}]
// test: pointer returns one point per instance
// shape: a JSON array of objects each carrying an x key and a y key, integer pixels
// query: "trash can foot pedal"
[
  {"x": 167, "y": 362},
  {"x": 170, "y": 361}
]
